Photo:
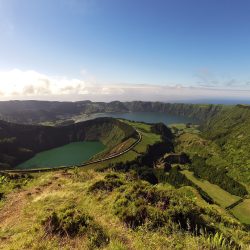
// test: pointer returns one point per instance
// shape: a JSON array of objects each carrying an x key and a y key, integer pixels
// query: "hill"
[
  {"x": 79, "y": 209},
  {"x": 230, "y": 130},
  {"x": 41, "y": 111},
  {"x": 21, "y": 142},
  {"x": 184, "y": 188}
]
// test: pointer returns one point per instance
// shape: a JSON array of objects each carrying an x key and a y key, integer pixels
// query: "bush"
[
  {"x": 143, "y": 204},
  {"x": 71, "y": 222},
  {"x": 1, "y": 196},
  {"x": 109, "y": 183},
  {"x": 147, "y": 174}
]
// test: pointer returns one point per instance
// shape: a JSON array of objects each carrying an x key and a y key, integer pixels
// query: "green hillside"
[
  {"x": 184, "y": 187},
  {"x": 20, "y": 142},
  {"x": 78, "y": 209},
  {"x": 230, "y": 130},
  {"x": 219, "y": 158}
]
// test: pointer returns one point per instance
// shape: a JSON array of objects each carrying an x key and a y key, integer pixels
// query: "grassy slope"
[
  {"x": 219, "y": 195},
  {"x": 148, "y": 138},
  {"x": 25, "y": 208},
  {"x": 225, "y": 140},
  {"x": 193, "y": 143},
  {"x": 242, "y": 211},
  {"x": 230, "y": 130}
]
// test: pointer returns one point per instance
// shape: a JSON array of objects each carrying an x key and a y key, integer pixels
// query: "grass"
[
  {"x": 180, "y": 128},
  {"x": 116, "y": 149},
  {"x": 230, "y": 129},
  {"x": 23, "y": 214},
  {"x": 242, "y": 211},
  {"x": 220, "y": 196},
  {"x": 194, "y": 144},
  {"x": 148, "y": 138}
]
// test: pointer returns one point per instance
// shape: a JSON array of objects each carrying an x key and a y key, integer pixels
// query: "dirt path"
[{"x": 10, "y": 213}]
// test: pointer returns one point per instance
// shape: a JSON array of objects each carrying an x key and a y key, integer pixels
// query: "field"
[
  {"x": 220, "y": 196},
  {"x": 148, "y": 138},
  {"x": 242, "y": 211},
  {"x": 184, "y": 128}
]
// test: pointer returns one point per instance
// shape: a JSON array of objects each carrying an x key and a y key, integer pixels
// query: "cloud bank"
[{"x": 18, "y": 84}]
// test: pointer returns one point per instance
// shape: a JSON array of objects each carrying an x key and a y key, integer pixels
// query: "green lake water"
[{"x": 74, "y": 153}]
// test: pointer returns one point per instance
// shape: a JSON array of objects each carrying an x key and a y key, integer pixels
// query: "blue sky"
[{"x": 122, "y": 43}]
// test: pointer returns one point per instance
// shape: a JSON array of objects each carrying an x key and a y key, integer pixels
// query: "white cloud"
[
  {"x": 206, "y": 78},
  {"x": 18, "y": 84}
]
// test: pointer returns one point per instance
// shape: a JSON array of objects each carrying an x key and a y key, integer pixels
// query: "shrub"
[
  {"x": 147, "y": 174},
  {"x": 143, "y": 204},
  {"x": 71, "y": 222},
  {"x": 1, "y": 196},
  {"x": 110, "y": 182},
  {"x": 111, "y": 177},
  {"x": 97, "y": 236}
]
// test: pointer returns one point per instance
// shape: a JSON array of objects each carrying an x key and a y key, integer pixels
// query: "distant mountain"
[{"x": 40, "y": 111}]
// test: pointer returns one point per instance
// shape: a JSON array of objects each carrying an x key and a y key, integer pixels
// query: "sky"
[{"x": 103, "y": 50}]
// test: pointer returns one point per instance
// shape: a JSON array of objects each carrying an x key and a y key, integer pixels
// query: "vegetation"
[
  {"x": 217, "y": 176},
  {"x": 231, "y": 132},
  {"x": 219, "y": 195},
  {"x": 242, "y": 211},
  {"x": 68, "y": 210},
  {"x": 71, "y": 222},
  {"x": 181, "y": 188},
  {"x": 20, "y": 142},
  {"x": 149, "y": 139},
  {"x": 110, "y": 182},
  {"x": 178, "y": 179}
]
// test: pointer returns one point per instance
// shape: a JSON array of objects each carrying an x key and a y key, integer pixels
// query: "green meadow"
[
  {"x": 219, "y": 195},
  {"x": 242, "y": 211},
  {"x": 148, "y": 138}
]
